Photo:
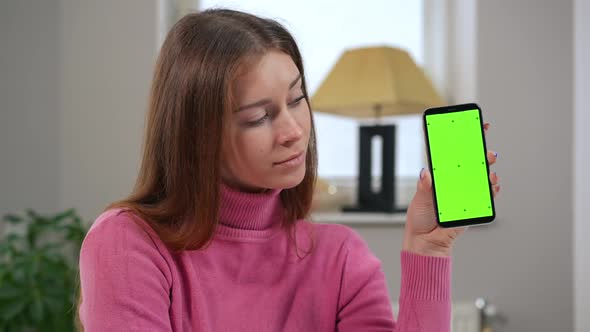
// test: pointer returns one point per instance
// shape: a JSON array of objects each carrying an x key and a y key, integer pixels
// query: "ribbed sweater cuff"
[{"x": 425, "y": 277}]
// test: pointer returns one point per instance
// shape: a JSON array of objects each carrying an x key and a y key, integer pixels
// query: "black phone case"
[{"x": 462, "y": 222}]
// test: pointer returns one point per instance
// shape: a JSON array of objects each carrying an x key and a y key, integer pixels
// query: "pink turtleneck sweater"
[{"x": 251, "y": 279}]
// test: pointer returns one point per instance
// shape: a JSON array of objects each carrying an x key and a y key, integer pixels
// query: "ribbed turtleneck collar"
[{"x": 249, "y": 215}]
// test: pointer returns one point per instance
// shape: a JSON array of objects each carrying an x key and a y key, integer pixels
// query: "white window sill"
[
  {"x": 359, "y": 218},
  {"x": 328, "y": 206}
]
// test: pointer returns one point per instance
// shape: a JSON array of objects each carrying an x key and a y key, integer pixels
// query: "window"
[{"x": 323, "y": 30}]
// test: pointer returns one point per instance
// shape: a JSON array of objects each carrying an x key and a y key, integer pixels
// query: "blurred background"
[{"x": 74, "y": 82}]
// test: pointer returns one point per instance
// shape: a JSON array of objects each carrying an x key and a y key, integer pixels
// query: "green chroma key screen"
[{"x": 459, "y": 167}]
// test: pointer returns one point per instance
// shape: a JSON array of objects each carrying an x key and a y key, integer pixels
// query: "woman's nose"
[{"x": 289, "y": 130}]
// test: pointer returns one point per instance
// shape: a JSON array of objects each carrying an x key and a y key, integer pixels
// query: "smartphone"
[{"x": 457, "y": 158}]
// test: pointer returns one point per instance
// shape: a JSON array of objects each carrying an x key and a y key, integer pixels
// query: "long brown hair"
[{"x": 177, "y": 191}]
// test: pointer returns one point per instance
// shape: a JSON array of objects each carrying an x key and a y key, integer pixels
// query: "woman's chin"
[{"x": 288, "y": 182}]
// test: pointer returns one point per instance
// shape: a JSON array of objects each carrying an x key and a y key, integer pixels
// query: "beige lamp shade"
[{"x": 375, "y": 81}]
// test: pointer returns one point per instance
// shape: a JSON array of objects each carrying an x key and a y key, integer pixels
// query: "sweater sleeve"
[
  {"x": 124, "y": 279},
  {"x": 425, "y": 294},
  {"x": 364, "y": 300}
]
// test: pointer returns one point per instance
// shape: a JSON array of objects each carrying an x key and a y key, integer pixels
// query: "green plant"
[{"x": 38, "y": 271}]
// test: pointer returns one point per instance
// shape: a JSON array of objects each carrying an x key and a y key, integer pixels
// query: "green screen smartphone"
[{"x": 456, "y": 150}]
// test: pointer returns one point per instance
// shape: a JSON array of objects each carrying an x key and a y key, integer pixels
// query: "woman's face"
[{"x": 266, "y": 140}]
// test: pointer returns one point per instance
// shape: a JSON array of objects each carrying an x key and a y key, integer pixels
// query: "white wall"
[
  {"x": 525, "y": 84},
  {"x": 74, "y": 81},
  {"x": 107, "y": 56},
  {"x": 29, "y": 106},
  {"x": 581, "y": 246},
  {"x": 524, "y": 81}
]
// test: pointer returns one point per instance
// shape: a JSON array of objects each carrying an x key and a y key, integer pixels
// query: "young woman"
[{"x": 214, "y": 236}]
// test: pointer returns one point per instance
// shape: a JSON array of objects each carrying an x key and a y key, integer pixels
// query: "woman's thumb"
[{"x": 425, "y": 181}]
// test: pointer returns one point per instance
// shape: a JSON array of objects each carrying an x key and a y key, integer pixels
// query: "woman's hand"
[{"x": 422, "y": 234}]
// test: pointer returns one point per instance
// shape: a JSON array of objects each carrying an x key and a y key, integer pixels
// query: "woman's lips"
[{"x": 292, "y": 161}]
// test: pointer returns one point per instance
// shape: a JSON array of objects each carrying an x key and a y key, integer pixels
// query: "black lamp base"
[{"x": 367, "y": 199}]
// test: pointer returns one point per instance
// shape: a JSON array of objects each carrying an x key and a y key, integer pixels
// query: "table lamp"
[{"x": 372, "y": 82}]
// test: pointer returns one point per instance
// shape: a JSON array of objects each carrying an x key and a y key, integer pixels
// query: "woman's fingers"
[
  {"x": 493, "y": 178},
  {"x": 495, "y": 189},
  {"x": 492, "y": 157},
  {"x": 495, "y": 181}
]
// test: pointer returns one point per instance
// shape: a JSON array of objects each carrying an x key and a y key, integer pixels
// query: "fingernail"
[
  {"x": 496, "y": 154},
  {"x": 422, "y": 173}
]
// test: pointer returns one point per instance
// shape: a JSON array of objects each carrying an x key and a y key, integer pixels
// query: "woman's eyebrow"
[
  {"x": 292, "y": 84},
  {"x": 267, "y": 101}
]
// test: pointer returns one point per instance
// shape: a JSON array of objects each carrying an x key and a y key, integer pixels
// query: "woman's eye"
[
  {"x": 297, "y": 101},
  {"x": 258, "y": 122}
]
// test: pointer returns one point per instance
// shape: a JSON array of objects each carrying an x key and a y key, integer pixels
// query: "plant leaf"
[
  {"x": 32, "y": 214},
  {"x": 63, "y": 215},
  {"x": 12, "y": 237},
  {"x": 6, "y": 247},
  {"x": 77, "y": 220},
  {"x": 38, "y": 282},
  {"x": 12, "y": 218},
  {"x": 53, "y": 305},
  {"x": 11, "y": 310},
  {"x": 10, "y": 292},
  {"x": 36, "y": 309},
  {"x": 56, "y": 292},
  {"x": 51, "y": 246}
]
